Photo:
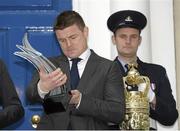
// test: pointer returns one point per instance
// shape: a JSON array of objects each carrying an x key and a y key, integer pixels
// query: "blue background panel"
[{"x": 36, "y": 18}]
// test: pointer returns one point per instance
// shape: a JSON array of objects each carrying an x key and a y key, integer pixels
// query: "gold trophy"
[{"x": 137, "y": 102}]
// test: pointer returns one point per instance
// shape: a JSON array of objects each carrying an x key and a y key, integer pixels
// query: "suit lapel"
[
  {"x": 89, "y": 70},
  {"x": 141, "y": 67}
]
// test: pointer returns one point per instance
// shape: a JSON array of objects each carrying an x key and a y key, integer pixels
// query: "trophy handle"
[
  {"x": 146, "y": 79},
  {"x": 125, "y": 90}
]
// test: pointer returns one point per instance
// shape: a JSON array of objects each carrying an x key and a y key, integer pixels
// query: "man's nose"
[
  {"x": 128, "y": 40},
  {"x": 68, "y": 42}
]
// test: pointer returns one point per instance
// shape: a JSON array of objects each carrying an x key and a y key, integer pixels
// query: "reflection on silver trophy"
[{"x": 57, "y": 100}]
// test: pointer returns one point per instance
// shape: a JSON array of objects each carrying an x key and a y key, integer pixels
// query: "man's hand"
[
  {"x": 76, "y": 98},
  {"x": 151, "y": 94},
  {"x": 52, "y": 80},
  {"x": 153, "y": 103}
]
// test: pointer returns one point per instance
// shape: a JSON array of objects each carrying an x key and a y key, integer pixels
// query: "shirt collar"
[
  {"x": 122, "y": 62},
  {"x": 84, "y": 56}
]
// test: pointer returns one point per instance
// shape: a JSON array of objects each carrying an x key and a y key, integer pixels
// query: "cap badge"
[{"x": 128, "y": 19}]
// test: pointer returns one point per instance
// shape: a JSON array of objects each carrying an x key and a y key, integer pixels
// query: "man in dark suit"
[
  {"x": 11, "y": 110},
  {"x": 126, "y": 26},
  {"x": 97, "y": 99}
]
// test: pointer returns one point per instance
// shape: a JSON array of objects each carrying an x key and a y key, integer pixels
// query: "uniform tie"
[
  {"x": 126, "y": 68},
  {"x": 74, "y": 74}
]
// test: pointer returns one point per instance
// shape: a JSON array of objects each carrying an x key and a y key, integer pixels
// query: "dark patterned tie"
[
  {"x": 74, "y": 74},
  {"x": 126, "y": 67}
]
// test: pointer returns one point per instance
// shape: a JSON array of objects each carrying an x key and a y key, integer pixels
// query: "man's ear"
[
  {"x": 140, "y": 39},
  {"x": 86, "y": 31},
  {"x": 113, "y": 40}
]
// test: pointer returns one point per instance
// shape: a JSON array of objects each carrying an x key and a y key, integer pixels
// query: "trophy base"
[{"x": 56, "y": 103}]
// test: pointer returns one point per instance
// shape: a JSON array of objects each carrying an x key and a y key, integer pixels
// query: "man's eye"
[
  {"x": 122, "y": 36},
  {"x": 134, "y": 36},
  {"x": 74, "y": 37},
  {"x": 62, "y": 41}
]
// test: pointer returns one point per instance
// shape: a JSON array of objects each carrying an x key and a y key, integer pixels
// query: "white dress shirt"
[{"x": 81, "y": 65}]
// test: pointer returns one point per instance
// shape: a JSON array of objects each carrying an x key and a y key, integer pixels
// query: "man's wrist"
[{"x": 41, "y": 92}]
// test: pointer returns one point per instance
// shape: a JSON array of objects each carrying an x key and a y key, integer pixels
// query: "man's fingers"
[
  {"x": 42, "y": 70},
  {"x": 62, "y": 80}
]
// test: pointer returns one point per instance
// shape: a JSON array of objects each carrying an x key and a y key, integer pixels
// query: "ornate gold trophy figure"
[{"x": 137, "y": 102}]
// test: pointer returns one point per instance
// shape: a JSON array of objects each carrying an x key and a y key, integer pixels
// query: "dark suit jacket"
[
  {"x": 102, "y": 96},
  {"x": 12, "y": 109},
  {"x": 165, "y": 111}
]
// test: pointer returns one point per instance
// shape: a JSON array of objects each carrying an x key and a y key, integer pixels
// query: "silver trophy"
[{"x": 57, "y": 99}]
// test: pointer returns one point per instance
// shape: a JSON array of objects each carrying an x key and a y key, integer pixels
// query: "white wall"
[
  {"x": 162, "y": 37},
  {"x": 158, "y": 37},
  {"x": 95, "y": 13}
]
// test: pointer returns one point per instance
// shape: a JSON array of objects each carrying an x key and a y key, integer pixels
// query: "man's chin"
[
  {"x": 128, "y": 55},
  {"x": 72, "y": 55}
]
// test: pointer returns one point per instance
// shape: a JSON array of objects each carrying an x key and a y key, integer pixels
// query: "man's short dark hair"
[{"x": 69, "y": 18}]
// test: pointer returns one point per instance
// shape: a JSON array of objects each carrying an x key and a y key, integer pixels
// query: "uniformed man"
[{"x": 126, "y": 26}]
